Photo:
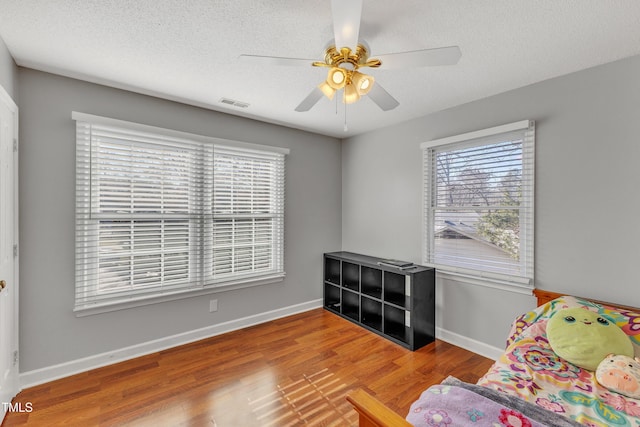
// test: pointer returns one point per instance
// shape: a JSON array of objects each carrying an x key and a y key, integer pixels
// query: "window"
[
  {"x": 479, "y": 202},
  {"x": 161, "y": 213}
]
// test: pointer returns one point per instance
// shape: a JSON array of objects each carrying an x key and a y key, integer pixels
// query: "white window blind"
[
  {"x": 160, "y": 213},
  {"x": 248, "y": 201},
  {"x": 478, "y": 203}
]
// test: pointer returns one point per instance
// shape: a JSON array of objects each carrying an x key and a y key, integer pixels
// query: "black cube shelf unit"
[{"x": 397, "y": 304}]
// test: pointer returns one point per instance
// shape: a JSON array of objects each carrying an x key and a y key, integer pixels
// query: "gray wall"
[
  {"x": 587, "y": 197},
  {"x": 49, "y": 332},
  {"x": 8, "y": 71}
]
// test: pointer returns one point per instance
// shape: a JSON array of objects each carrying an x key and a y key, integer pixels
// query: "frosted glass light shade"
[
  {"x": 351, "y": 95},
  {"x": 362, "y": 82},
  {"x": 328, "y": 91}
]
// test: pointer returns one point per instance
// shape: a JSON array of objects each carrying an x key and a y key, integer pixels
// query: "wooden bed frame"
[{"x": 373, "y": 413}]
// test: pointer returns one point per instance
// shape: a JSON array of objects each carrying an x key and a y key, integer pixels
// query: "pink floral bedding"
[{"x": 531, "y": 370}]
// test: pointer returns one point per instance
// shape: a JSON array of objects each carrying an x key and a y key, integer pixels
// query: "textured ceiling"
[{"x": 187, "y": 50}]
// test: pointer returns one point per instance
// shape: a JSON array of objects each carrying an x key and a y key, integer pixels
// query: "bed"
[{"x": 529, "y": 385}]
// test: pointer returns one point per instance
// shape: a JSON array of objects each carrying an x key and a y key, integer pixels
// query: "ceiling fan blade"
[
  {"x": 346, "y": 22},
  {"x": 382, "y": 98},
  {"x": 275, "y": 60},
  {"x": 421, "y": 58},
  {"x": 311, "y": 100}
]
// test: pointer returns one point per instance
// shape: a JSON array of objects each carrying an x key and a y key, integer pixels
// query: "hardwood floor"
[{"x": 288, "y": 372}]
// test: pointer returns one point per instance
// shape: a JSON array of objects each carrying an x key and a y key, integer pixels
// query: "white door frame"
[{"x": 13, "y": 382}]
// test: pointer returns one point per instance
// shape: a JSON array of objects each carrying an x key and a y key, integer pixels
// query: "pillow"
[
  {"x": 620, "y": 374},
  {"x": 584, "y": 338}
]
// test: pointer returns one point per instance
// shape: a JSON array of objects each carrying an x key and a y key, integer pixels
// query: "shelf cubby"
[
  {"x": 395, "y": 323},
  {"x": 395, "y": 287},
  {"x": 351, "y": 305},
  {"x": 332, "y": 271},
  {"x": 371, "y": 282},
  {"x": 351, "y": 276},
  {"x": 332, "y": 297},
  {"x": 371, "y": 313}
]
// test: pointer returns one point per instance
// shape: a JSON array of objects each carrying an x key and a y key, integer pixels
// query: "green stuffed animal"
[{"x": 584, "y": 338}]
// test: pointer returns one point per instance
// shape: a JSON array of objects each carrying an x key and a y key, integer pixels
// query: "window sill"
[
  {"x": 140, "y": 301},
  {"x": 519, "y": 285}
]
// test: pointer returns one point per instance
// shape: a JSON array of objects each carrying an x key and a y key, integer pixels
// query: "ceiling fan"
[{"x": 347, "y": 55}]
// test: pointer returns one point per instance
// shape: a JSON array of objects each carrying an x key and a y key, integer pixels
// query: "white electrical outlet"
[{"x": 213, "y": 305}]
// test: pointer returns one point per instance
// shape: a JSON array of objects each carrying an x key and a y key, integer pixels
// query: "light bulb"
[{"x": 337, "y": 78}]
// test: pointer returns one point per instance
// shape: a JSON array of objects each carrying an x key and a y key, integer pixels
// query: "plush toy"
[
  {"x": 620, "y": 374},
  {"x": 584, "y": 338}
]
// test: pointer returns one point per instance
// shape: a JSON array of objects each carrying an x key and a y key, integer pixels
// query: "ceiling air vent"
[{"x": 234, "y": 103}]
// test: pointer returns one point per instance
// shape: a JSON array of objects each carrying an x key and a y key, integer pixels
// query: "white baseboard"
[
  {"x": 50, "y": 373},
  {"x": 469, "y": 344}
]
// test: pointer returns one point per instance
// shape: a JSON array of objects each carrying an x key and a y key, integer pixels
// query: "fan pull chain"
[{"x": 345, "y": 117}]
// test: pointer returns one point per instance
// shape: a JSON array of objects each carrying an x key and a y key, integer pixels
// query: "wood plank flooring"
[{"x": 288, "y": 372}]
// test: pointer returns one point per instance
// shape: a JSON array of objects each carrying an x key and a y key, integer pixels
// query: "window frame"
[
  {"x": 88, "y": 302},
  {"x": 522, "y": 282}
]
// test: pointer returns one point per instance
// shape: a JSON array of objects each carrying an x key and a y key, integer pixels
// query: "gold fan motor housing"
[{"x": 357, "y": 59}]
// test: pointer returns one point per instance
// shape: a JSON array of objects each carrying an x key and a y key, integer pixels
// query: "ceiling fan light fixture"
[
  {"x": 337, "y": 78},
  {"x": 362, "y": 82},
  {"x": 350, "y": 95},
  {"x": 327, "y": 90}
]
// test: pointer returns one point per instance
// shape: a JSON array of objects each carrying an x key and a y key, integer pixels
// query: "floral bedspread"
[{"x": 531, "y": 370}]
